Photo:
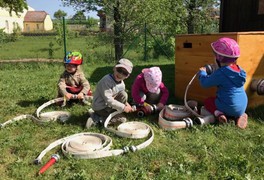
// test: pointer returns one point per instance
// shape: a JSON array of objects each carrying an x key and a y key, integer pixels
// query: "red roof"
[{"x": 35, "y": 16}]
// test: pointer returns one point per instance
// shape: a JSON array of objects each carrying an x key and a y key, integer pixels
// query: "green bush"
[
  {"x": 163, "y": 48},
  {"x": 3, "y": 36}
]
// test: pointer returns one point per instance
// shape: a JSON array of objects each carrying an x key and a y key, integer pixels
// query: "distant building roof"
[{"x": 35, "y": 16}]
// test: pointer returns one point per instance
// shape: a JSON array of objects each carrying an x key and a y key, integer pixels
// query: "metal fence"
[{"x": 95, "y": 46}]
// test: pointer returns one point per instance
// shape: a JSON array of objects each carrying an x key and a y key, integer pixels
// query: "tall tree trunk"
[
  {"x": 118, "y": 39},
  {"x": 190, "y": 20}
]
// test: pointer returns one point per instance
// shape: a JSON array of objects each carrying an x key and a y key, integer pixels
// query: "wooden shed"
[
  {"x": 194, "y": 51},
  {"x": 241, "y": 15}
]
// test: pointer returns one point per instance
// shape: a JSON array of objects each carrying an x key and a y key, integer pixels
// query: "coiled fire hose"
[
  {"x": 132, "y": 130},
  {"x": 94, "y": 145},
  {"x": 173, "y": 114},
  {"x": 41, "y": 118}
]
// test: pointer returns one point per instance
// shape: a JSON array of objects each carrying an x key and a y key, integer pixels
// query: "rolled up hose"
[{"x": 41, "y": 118}]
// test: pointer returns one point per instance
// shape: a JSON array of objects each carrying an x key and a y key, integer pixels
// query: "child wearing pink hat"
[
  {"x": 149, "y": 88},
  {"x": 231, "y": 99}
]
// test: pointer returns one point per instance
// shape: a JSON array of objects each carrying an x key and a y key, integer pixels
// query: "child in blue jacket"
[{"x": 231, "y": 99}]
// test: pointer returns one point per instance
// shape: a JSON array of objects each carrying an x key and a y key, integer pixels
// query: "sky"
[{"x": 51, "y": 6}]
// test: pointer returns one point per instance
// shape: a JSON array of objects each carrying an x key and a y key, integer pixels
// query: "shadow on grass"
[
  {"x": 37, "y": 103},
  {"x": 78, "y": 120},
  {"x": 257, "y": 113}
]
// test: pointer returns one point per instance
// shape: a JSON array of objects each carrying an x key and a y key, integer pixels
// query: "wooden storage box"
[{"x": 194, "y": 51}]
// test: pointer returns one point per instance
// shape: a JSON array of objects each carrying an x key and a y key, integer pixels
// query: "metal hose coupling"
[
  {"x": 126, "y": 149},
  {"x": 144, "y": 111},
  {"x": 258, "y": 86},
  {"x": 188, "y": 121},
  {"x": 210, "y": 68},
  {"x": 133, "y": 148}
]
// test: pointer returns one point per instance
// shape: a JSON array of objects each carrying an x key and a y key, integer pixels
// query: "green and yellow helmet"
[{"x": 73, "y": 58}]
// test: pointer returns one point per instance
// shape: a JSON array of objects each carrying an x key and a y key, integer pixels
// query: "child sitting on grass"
[
  {"x": 149, "y": 89},
  {"x": 110, "y": 95},
  {"x": 72, "y": 83},
  {"x": 231, "y": 98}
]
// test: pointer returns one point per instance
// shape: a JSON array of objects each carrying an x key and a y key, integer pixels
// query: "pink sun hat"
[{"x": 153, "y": 78}]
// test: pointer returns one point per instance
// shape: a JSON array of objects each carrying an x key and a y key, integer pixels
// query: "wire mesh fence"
[{"x": 96, "y": 46}]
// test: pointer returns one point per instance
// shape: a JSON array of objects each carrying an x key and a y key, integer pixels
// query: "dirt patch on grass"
[{"x": 31, "y": 60}]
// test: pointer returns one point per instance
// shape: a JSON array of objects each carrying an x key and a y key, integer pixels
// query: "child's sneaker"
[
  {"x": 242, "y": 121},
  {"x": 90, "y": 123},
  {"x": 93, "y": 120},
  {"x": 118, "y": 119},
  {"x": 222, "y": 119}
]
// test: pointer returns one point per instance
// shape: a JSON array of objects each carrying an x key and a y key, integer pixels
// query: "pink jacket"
[{"x": 140, "y": 85}]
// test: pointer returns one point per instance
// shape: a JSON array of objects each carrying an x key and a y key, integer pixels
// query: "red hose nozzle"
[{"x": 54, "y": 158}]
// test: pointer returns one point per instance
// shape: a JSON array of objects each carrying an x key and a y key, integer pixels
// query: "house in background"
[
  {"x": 37, "y": 21},
  {"x": 9, "y": 22}
]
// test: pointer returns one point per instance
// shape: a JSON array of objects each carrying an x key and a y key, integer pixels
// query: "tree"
[
  {"x": 79, "y": 16},
  {"x": 59, "y": 14},
  {"x": 16, "y": 6},
  {"x": 163, "y": 17},
  {"x": 200, "y": 13}
]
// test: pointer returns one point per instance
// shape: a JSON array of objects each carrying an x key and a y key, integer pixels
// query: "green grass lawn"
[
  {"x": 93, "y": 48},
  {"x": 209, "y": 152}
]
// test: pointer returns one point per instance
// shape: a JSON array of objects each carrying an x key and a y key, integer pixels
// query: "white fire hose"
[
  {"x": 93, "y": 145},
  {"x": 42, "y": 117},
  {"x": 177, "y": 117},
  {"x": 133, "y": 129}
]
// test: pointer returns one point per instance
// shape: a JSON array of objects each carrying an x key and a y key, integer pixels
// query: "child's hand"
[
  {"x": 68, "y": 96},
  {"x": 128, "y": 108},
  {"x": 160, "y": 106},
  {"x": 148, "y": 107},
  {"x": 202, "y": 69},
  {"x": 80, "y": 95}
]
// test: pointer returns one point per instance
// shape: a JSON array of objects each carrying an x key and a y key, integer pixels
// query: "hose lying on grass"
[{"x": 88, "y": 145}]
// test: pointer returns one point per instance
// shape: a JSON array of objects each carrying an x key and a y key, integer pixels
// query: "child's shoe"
[
  {"x": 117, "y": 119},
  {"x": 242, "y": 121},
  {"x": 222, "y": 119},
  {"x": 93, "y": 120}
]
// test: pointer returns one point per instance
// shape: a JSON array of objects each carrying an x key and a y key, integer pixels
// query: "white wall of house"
[
  {"x": 9, "y": 22},
  {"x": 48, "y": 24}
]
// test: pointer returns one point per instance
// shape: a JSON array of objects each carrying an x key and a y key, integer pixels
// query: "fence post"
[
  {"x": 145, "y": 39},
  {"x": 64, "y": 36}
]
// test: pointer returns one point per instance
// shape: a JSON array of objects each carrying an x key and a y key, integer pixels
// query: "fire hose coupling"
[
  {"x": 126, "y": 149},
  {"x": 37, "y": 161},
  {"x": 258, "y": 86},
  {"x": 146, "y": 109},
  {"x": 188, "y": 121},
  {"x": 210, "y": 68},
  {"x": 133, "y": 148}
]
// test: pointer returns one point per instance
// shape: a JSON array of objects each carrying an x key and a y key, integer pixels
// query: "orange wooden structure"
[{"x": 194, "y": 51}]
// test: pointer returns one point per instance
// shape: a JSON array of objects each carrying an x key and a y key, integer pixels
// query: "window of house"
[
  {"x": 7, "y": 26},
  {"x": 37, "y": 26},
  {"x": 27, "y": 27}
]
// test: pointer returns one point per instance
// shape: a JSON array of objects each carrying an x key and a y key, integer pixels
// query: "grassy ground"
[{"x": 209, "y": 152}]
